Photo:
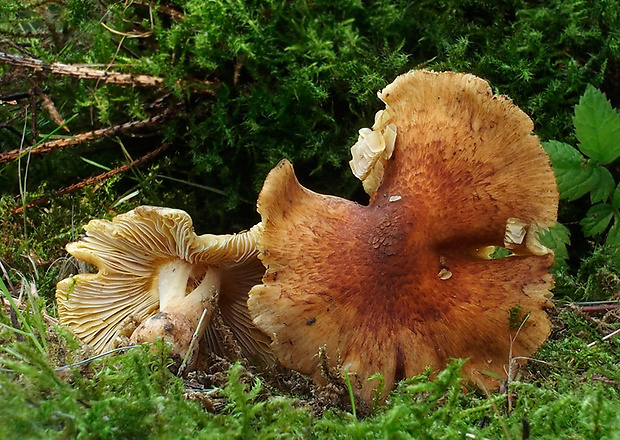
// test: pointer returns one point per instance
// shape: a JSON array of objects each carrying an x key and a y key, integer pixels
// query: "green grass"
[{"x": 570, "y": 390}]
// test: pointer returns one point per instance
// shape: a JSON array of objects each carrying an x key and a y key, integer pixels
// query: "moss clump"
[
  {"x": 131, "y": 396},
  {"x": 570, "y": 390}
]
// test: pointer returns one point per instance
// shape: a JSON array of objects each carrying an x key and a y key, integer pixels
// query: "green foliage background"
[{"x": 293, "y": 79}]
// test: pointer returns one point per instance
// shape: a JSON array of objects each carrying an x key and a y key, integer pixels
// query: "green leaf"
[
  {"x": 615, "y": 200},
  {"x": 613, "y": 236},
  {"x": 604, "y": 186},
  {"x": 597, "y": 219},
  {"x": 557, "y": 237},
  {"x": 597, "y": 126},
  {"x": 574, "y": 175}
]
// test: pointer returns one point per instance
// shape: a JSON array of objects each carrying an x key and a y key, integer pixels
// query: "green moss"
[
  {"x": 132, "y": 396},
  {"x": 254, "y": 82},
  {"x": 569, "y": 391}
]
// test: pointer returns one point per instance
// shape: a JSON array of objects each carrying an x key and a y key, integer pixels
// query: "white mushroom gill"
[{"x": 155, "y": 273}]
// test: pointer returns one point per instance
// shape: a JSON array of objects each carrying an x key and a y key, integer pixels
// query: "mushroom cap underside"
[
  {"x": 403, "y": 282},
  {"x": 128, "y": 253}
]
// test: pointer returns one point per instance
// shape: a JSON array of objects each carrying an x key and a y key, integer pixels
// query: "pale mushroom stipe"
[
  {"x": 406, "y": 282},
  {"x": 156, "y": 277}
]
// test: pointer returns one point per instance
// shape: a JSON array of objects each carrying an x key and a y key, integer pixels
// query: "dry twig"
[
  {"x": 604, "y": 338},
  {"x": 168, "y": 10},
  {"x": 84, "y": 137},
  {"x": 75, "y": 187},
  {"x": 107, "y": 76},
  {"x": 81, "y": 72}
]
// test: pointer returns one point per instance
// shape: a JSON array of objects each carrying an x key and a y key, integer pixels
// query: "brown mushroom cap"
[
  {"x": 137, "y": 255},
  {"x": 407, "y": 282}
]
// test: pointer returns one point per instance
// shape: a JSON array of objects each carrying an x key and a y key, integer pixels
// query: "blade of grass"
[
  {"x": 14, "y": 353},
  {"x": 126, "y": 197},
  {"x": 351, "y": 396},
  {"x": 95, "y": 164},
  {"x": 36, "y": 312},
  {"x": 22, "y": 319},
  {"x": 15, "y": 330},
  {"x": 197, "y": 185},
  {"x": 22, "y": 185},
  {"x": 43, "y": 140}
]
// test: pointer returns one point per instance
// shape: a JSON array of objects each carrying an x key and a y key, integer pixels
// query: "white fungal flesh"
[
  {"x": 532, "y": 242},
  {"x": 515, "y": 232},
  {"x": 444, "y": 274},
  {"x": 373, "y": 148},
  {"x": 172, "y": 279},
  {"x": 519, "y": 233}
]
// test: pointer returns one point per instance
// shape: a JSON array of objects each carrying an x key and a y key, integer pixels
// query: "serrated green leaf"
[
  {"x": 557, "y": 237},
  {"x": 604, "y": 186},
  {"x": 575, "y": 177},
  {"x": 613, "y": 236},
  {"x": 615, "y": 200},
  {"x": 597, "y": 126},
  {"x": 597, "y": 219}
]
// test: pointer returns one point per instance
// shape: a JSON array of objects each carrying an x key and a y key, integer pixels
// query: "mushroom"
[
  {"x": 156, "y": 277},
  {"x": 407, "y": 281}
]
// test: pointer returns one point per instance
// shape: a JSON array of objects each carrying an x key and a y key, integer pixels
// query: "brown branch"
[
  {"x": 101, "y": 177},
  {"x": 168, "y": 10},
  {"x": 85, "y": 137},
  {"x": 22, "y": 35},
  {"x": 111, "y": 77},
  {"x": 593, "y": 307},
  {"x": 81, "y": 72},
  {"x": 599, "y": 309}
]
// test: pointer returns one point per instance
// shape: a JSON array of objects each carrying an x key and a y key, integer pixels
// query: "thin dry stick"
[
  {"x": 495, "y": 409},
  {"x": 81, "y": 72},
  {"x": 189, "y": 358},
  {"x": 604, "y": 338},
  {"x": 513, "y": 364},
  {"x": 111, "y": 77},
  {"x": 599, "y": 309},
  {"x": 84, "y": 137},
  {"x": 99, "y": 356},
  {"x": 72, "y": 188},
  {"x": 85, "y": 361}
]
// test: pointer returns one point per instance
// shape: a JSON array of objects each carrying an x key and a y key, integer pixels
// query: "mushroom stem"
[
  {"x": 179, "y": 316},
  {"x": 203, "y": 297},
  {"x": 172, "y": 279}
]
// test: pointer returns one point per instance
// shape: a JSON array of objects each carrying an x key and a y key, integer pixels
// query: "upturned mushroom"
[
  {"x": 407, "y": 282},
  {"x": 156, "y": 277}
]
